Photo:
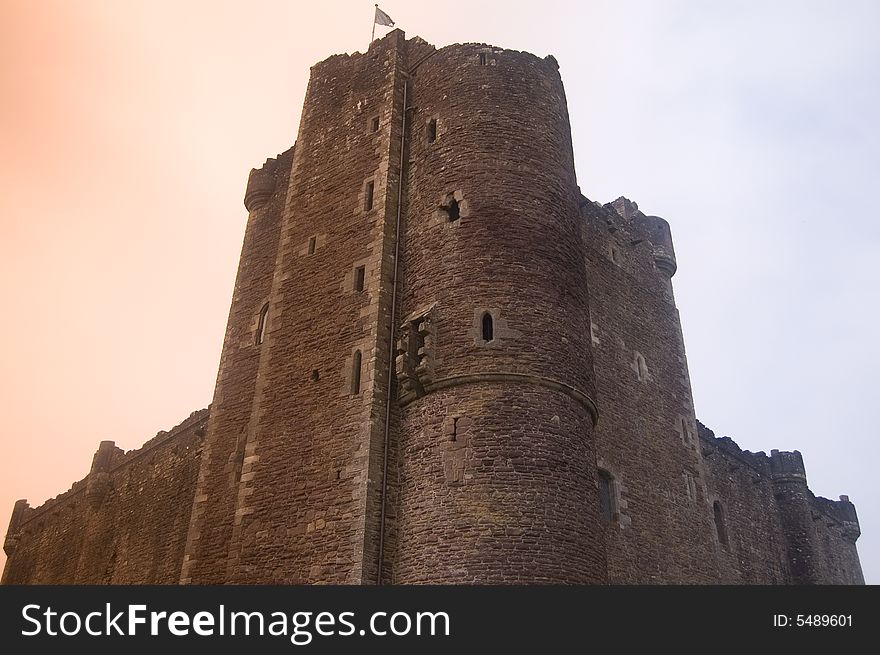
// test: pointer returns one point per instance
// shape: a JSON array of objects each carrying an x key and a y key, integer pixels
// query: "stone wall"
[
  {"x": 755, "y": 551},
  {"x": 124, "y": 523},
  {"x": 837, "y": 529},
  {"x": 771, "y": 529},
  {"x": 659, "y": 530}
]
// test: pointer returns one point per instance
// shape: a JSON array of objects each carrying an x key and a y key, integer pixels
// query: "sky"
[{"x": 127, "y": 130}]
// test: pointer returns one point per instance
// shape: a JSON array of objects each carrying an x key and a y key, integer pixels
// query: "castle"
[{"x": 442, "y": 364}]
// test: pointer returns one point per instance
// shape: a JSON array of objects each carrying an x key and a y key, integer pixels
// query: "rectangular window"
[
  {"x": 312, "y": 242},
  {"x": 374, "y": 124},
  {"x": 432, "y": 130},
  {"x": 606, "y": 511},
  {"x": 261, "y": 324},
  {"x": 359, "y": 278},
  {"x": 368, "y": 196},
  {"x": 483, "y": 59},
  {"x": 356, "y": 373}
]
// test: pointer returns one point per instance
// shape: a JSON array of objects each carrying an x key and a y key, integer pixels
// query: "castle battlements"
[
  {"x": 262, "y": 181},
  {"x": 107, "y": 461}
]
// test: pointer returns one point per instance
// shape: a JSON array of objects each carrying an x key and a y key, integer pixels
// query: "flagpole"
[{"x": 373, "y": 34}]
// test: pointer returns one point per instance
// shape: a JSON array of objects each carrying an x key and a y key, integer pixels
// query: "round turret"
[
  {"x": 260, "y": 186},
  {"x": 657, "y": 231},
  {"x": 493, "y": 358},
  {"x": 793, "y": 499}
]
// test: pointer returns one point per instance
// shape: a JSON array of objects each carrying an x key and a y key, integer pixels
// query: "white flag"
[{"x": 382, "y": 18}]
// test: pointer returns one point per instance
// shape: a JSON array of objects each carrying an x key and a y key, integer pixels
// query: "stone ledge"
[{"x": 520, "y": 378}]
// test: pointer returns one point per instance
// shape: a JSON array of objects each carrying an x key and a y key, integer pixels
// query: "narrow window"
[
  {"x": 606, "y": 496},
  {"x": 356, "y": 373},
  {"x": 312, "y": 242},
  {"x": 432, "y": 130},
  {"x": 374, "y": 124},
  {"x": 488, "y": 327},
  {"x": 641, "y": 367},
  {"x": 453, "y": 210},
  {"x": 368, "y": 196},
  {"x": 316, "y": 375},
  {"x": 614, "y": 255},
  {"x": 261, "y": 325},
  {"x": 359, "y": 278},
  {"x": 719, "y": 523},
  {"x": 483, "y": 59}
]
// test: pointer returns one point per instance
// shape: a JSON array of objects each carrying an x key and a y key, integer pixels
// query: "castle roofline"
[
  {"x": 841, "y": 511},
  {"x": 122, "y": 459},
  {"x": 419, "y": 46}
]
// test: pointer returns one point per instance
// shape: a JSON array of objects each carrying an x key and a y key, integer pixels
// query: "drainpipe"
[{"x": 391, "y": 334}]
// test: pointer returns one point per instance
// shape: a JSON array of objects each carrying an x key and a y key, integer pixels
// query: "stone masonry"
[{"x": 442, "y": 364}]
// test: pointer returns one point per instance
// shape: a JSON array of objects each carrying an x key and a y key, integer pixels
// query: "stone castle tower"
[{"x": 442, "y": 364}]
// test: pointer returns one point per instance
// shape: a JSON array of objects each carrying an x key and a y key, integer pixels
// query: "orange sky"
[
  {"x": 127, "y": 133},
  {"x": 127, "y": 130}
]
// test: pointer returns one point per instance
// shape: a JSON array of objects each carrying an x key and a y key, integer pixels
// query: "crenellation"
[
  {"x": 132, "y": 502},
  {"x": 642, "y": 245},
  {"x": 842, "y": 511},
  {"x": 757, "y": 461}
]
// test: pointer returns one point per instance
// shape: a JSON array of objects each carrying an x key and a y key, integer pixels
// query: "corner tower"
[
  {"x": 287, "y": 491},
  {"x": 658, "y": 524},
  {"x": 496, "y": 471}
]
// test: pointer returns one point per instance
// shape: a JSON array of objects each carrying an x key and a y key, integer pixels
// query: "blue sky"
[{"x": 751, "y": 127}]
